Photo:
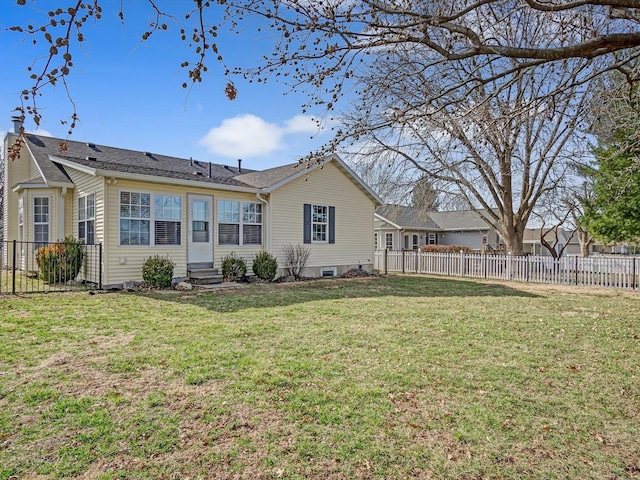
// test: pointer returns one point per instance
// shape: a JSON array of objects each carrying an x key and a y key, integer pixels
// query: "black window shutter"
[
  {"x": 332, "y": 224},
  {"x": 307, "y": 223}
]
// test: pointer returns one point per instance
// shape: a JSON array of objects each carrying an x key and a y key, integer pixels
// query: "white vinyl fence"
[{"x": 616, "y": 272}]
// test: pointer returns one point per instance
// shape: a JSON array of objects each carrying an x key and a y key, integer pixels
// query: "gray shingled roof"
[
  {"x": 271, "y": 176},
  {"x": 126, "y": 161},
  {"x": 407, "y": 217},
  {"x": 418, "y": 218},
  {"x": 459, "y": 220}
]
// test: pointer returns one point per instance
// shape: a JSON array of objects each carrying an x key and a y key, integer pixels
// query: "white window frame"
[
  {"x": 319, "y": 223},
  {"x": 21, "y": 218},
  {"x": 388, "y": 241},
  {"x": 40, "y": 223},
  {"x": 169, "y": 215},
  {"x": 415, "y": 240},
  {"x": 87, "y": 218},
  {"x": 244, "y": 215},
  {"x": 432, "y": 239},
  {"x": 154, "y": 215}
]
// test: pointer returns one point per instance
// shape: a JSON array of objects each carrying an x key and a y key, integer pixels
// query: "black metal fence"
[{"x": 32, "y": 267}]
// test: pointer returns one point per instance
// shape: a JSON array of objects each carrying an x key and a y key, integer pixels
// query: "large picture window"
[
  {"x": 87, "y": 219},
  {"x": 239, "y": 223},
  {"x": 41, "y": 220},
  {"x": 145, "y": 223}
]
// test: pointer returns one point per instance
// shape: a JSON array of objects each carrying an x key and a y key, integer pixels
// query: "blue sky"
[{"x": 128, "y": 94}]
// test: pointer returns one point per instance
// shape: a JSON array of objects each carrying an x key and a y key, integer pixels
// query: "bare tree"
[
  {"x": 321, "y": 46},
  {"x": 500, "y": 147}
]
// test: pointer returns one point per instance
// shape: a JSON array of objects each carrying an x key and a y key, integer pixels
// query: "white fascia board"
[
  {"x": 25, "y": 185},
  {"x": 380, "y": 217},
  {"x": 97, "y": 172},
  {"x": 174, "y": 181},
  {"x": 75, "y": 166}
]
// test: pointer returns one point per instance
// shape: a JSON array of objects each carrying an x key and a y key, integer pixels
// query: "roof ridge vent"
[
  {"x": 147, "y": 154},
  {"x": 91, "y": 145},
  {"x": 92, "y": 159}
]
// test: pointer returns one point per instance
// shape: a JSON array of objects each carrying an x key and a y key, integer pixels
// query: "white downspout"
[
  {"x": 265, "y": 225},
  {"x": 61, "y": 232}
]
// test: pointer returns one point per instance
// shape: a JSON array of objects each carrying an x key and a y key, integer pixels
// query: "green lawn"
[{"x": 398, "y": 377}]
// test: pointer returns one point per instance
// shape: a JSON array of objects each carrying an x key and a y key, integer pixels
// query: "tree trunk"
[
  {"x": 513, "y": 237},
  {"x": 585, "y": 241}
]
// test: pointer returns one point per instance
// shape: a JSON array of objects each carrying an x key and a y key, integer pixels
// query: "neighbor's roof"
[
  {"x": 406, "y": 217},
  {"x": 418, "y": 218}
]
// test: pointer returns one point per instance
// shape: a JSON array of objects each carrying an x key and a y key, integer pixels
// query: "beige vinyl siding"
[
  {"x": 124, "y": 263},
  {"x": 86, "y": 185},
  {"x": 15, "y": 171},
  {"x": 353, "y": 223}
]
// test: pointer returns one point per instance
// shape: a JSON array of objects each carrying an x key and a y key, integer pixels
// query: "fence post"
[
  {"x": 100, "y": 266},
  {"x": 576, "y": 270},
  {"x": 13, "y": 269},
  {"x": 403, "y": 252},
  {"x": 386, "y": 255},
  {"x": 633, "y": 285}
]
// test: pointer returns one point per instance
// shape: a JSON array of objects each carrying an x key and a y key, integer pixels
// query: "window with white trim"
[
  {"x": 319, "y": 223},
  {"x": 239, "y": 223},
  {"x": 432, "y": 239},
  {"x": 388, "y": 241},
  {"x": 415, "y": 241},
  {"x": 21, "y": 218},
  {"x": 137, "y": 212},
  {"x": 87, "y": 218},
  {"x": 41, "y": 220},
  {"x": 167, "y": 215}
]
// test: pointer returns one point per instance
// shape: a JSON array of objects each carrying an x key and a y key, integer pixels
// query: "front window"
[
  {"x": 167, "y": 214},
  {"x": 41, "y": 220},
  {"x": 389, "y": 241},
  {"x": 239, "y": 223},
  {"x": 87, "y": 219},
  {"x": 415, "y": 242},
  {"x": 319, "y": 223},
  {"x": 135, "y": 214},
  {"x": 432, "y": 239}
]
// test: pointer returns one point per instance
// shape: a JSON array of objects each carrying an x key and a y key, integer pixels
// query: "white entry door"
[{"x": 200, "y": 229}]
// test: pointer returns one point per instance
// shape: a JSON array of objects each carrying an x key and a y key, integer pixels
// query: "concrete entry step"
[{"x": 204, "y": 276}]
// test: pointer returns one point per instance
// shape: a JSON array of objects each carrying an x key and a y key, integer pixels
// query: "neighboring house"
[
  {"x": 399, "y": 227},
  {"x": 405, "y": 228},
  {"x": 139, "y": 204}
]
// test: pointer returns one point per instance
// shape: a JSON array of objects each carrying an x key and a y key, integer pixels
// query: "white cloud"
[
  {"x": 302, "y": 124},
  {"x": 246, "y": 136}
]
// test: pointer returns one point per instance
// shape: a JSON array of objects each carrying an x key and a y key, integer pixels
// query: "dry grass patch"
[{"x": 399, "y": 377}]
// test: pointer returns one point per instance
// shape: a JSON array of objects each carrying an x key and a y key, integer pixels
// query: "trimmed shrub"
[
  {"x": 233, "y": 268},
  {"x": 60, "y": 262},
  {"x": 157, "y": 271},
  {"x": 265, "y": 266}
]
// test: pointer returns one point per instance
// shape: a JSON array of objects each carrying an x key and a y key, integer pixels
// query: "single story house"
[
  {"x": 138, "y": 204},
  {"x": 399, "y": 227}
]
